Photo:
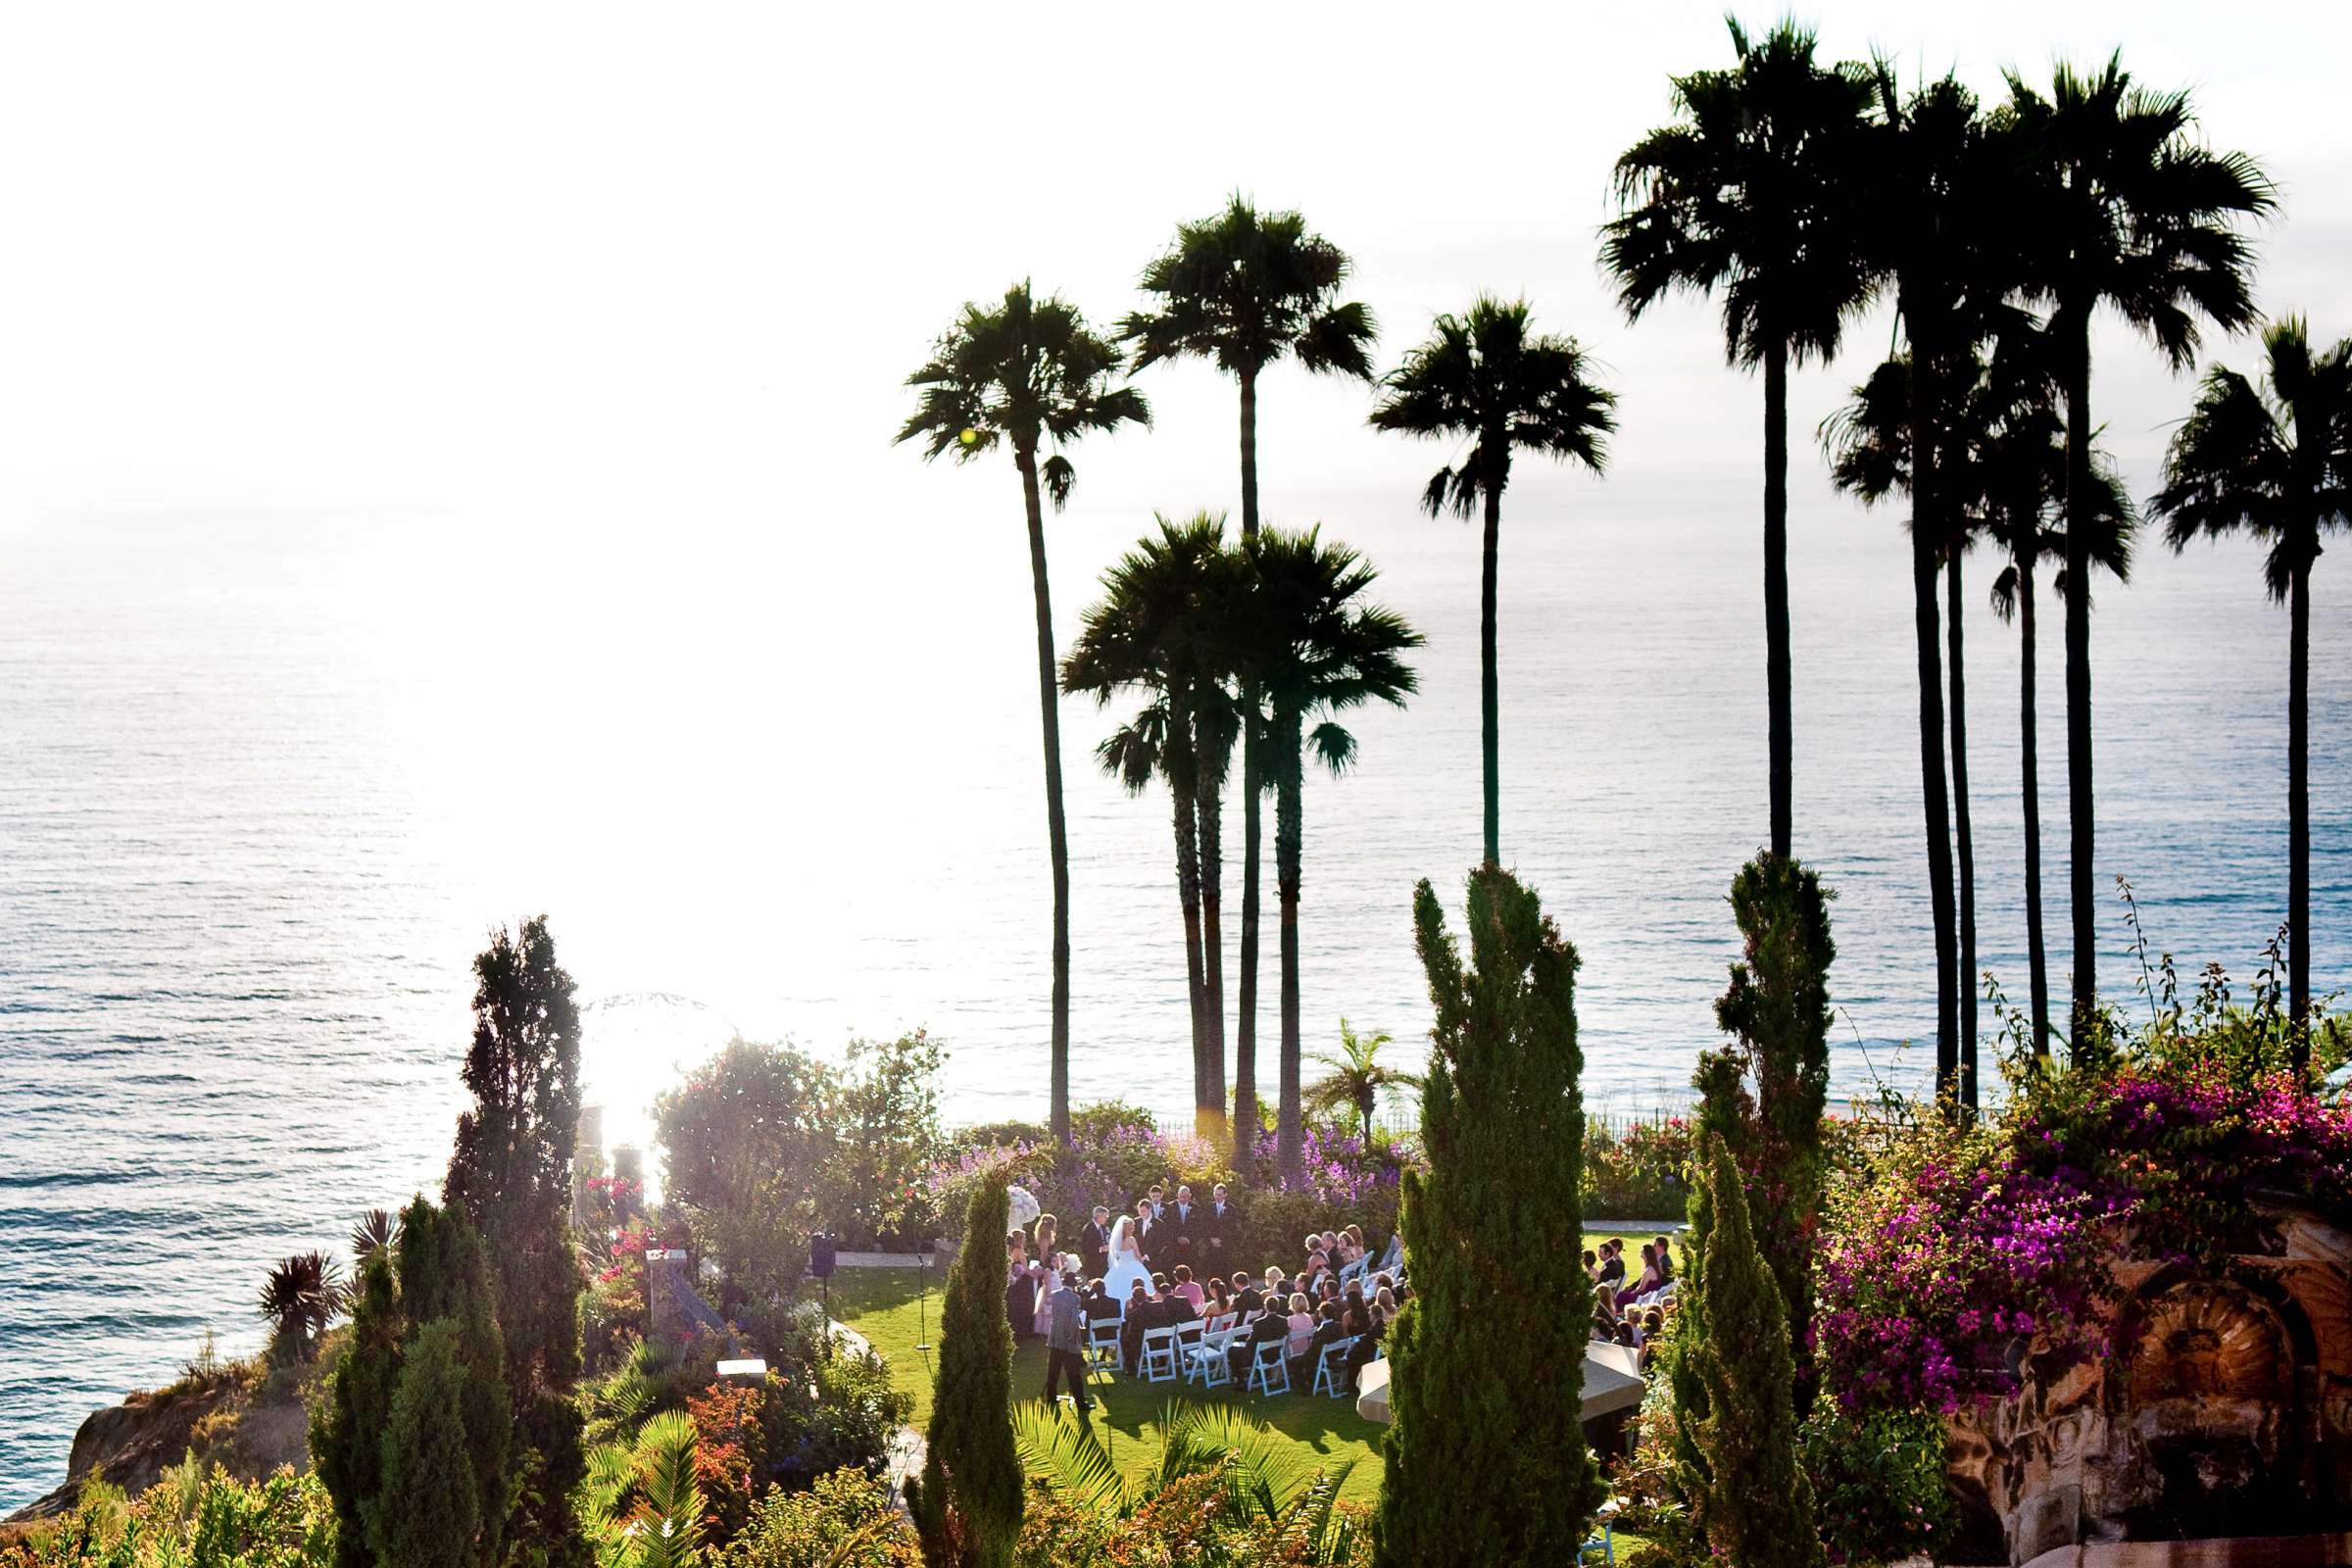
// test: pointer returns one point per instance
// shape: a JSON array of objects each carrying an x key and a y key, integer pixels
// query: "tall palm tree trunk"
[
  {"x": 1244, "y": 1037},
  {"x": 1782, "y": 742},
  {"x": 1210, "y": 806},
  {"x": 1290, "y": 1136},
  {"x": 2038, "y": 959},
  {"x": 1957, "y": 675},
  {"x": 2298, "y": 814},
  {"x": 1183, "y": 793},
  {"x": 1924, "y": 535},
  {"x": 2082, "y": 835},
  {"x": 1490, "y": 696},
  {"x": 1057, "y": 833}
]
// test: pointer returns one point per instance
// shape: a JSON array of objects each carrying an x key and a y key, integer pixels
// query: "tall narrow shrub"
[
  {"x": 967, "y": 1505},
  {"x": 511, "y": 1169},
  {"x": 347, "y": 1426},
  {"x": 1778, "y": 1007},
  {"x": 433, "y": 1512},
  {"x": 1486, "y": 1460},
  {"x": 1759, "y": 1505}
]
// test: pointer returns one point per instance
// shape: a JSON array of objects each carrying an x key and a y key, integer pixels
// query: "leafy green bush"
[
  {"x": 844, "y": 1521},
  {"x": 1638, "y": 1172},
  {"x": 190, "y": 1517},
  {"x": 1878, "y": 1483}
]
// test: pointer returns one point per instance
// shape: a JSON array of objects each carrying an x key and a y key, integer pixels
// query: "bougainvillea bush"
[{"x": 1956, "y": 1250}]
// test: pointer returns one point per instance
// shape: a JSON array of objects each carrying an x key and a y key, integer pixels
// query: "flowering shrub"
[
  {"x": 1956, "y": 1251},
  {"x": 730, "y": 1455},
  {"x": 1879, "y": 1484},
  {"x": 1638, "y": 1172}
]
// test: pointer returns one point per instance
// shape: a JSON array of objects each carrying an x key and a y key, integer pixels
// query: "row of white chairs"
[{"x": 1196, "y": 1352}]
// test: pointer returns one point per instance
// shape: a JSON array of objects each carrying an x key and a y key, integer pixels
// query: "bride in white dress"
[{"x": 1126, "y": 1263}]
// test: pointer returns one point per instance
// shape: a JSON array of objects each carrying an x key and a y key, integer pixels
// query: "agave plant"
[
  {"x": 1263, "y": 1482},
  {"x": 300, "y": 1296}
]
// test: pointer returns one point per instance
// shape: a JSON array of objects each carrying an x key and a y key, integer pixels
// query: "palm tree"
[
  {"x": 2019, "y": 484},
  {"x": 1485, "y": 380},
  {"x": 1162, "y": 628},
  {"x": 1354, "y": 1076},
  {"x": 1246, "y": 289},
  {"x": 1750, "y": 193},
  {"x": 2001, "y": 463},
  {"x": 2277, "y": 462},
  {"x": 1314, "y": 649},
  {"x": 299, "y": 1299},
  {"x": 2119, "y": 206},
  {"x": 1029, "y": 373}
]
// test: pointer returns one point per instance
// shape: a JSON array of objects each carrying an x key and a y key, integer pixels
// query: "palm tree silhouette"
[
  {"x": 2118, "y": 205},
  {"x": 1749, "y": 194},
  {"x": 1246, "y": 289},
  {"x": 1163, "y": 627},
  {"x": 1029, "y": 373},
  {"x": 2277, "y": 461},
  {"x": 1487, "y": 379},
  {"x": 1314, "y": 649},
  {"x": 2019, "y": 484},
  {"x": 1355, "y": 1075}
]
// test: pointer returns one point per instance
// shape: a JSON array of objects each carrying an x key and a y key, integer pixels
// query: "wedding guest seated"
[
  {"x": 1612, "y": 1263},
  {"x": 1247, "y": 1299},
  {"x": 1665, "y": 1263},
  {"x": 1186, "y": 1287},
  {"x": 1098, "y": 1303},
  {"x": 1625, "y": 1334},
  {"x": 1271, "y": 1327},
  {"x": 1132, "y": 1326},
  {"x": 1385, "y": 1300},
  {"x": 1605, "y": 1313},
  {"x": 1648, "y": 1280},
  {"x": 1219, "y": 1303},
  {"x": 1326, "y": 1332},
  {"x": 1352, "y": 1244},
  {"x": 1592, "y": 1267},
  {"x": 1301, "y": 1322},
  {"x": 1327, "y": 1288},
  {"x": 1317, "y": 1263}
]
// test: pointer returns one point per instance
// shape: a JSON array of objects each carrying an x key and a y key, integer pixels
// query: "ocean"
[{"x": 269, "y": 776}]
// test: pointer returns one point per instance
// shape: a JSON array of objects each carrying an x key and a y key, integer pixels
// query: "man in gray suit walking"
[{"x": 1065, "y": 1344}]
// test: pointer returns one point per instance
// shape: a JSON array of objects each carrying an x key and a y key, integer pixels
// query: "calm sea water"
[{"x": 268, "y": 779}]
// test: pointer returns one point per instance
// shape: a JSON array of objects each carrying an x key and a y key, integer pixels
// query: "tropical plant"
[
  {"x": 301, "y": 1296},
  {"x": 1354, "y": 1076},
  {"x": 377, "y": 1232},
  {"x": 1248, "y": 289},
  {"x": 2116, "y": 204},
  {"x": 1487, "y": 379},
  {"x": 1165, "y": 626},
  {"x": 1257, "y": 1480},
  {"x": 2276, "y": 461},
  {"x": 968, "y": 1504},
  {"x": 640, "y": 1504},
  {"x": 1486, "y": 1461},
  {"x": 1030, "y": 375},
  {"x": 1311, "y": 648},
  {"x": 1750, "y": 193}
]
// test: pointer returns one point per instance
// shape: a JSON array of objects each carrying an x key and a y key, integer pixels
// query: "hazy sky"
[{"x": 664, "y": 268}]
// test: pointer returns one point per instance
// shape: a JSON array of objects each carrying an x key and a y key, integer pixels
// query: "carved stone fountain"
[{"x": 2218, "y": 1433}]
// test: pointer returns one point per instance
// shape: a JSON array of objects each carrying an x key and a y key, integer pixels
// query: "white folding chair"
[
  {"x": 1331, "y": 1369},
  {"x": 1103, "y": 1342},
  {"x": 1158, "y": 1364},
  {"x": 1204, "y": 1361},
  {"x": 1270, "y": 1361},
  {"x": 1607, "y": 1541}
]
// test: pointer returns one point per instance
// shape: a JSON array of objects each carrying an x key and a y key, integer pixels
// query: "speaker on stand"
[{"x": 820, "y": 1265}]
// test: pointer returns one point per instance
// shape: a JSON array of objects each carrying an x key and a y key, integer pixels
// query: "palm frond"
[{"x": 1065, "y": 1456}]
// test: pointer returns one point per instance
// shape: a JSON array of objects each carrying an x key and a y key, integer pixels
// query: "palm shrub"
[
  {"x": 641, "y": 1502},
  {"x": 1759, "y": 1505},
  {"x": 1353, "y": 1077},
  {"x": 967, "y": 1505},
  {"x": 1030, "y": 375},
  {"x": 299, "y": 1299},
  {"x": 1487, "y": 1459}
]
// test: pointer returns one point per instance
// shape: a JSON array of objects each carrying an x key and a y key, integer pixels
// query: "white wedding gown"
[{"x": 1126, "y": 1266}]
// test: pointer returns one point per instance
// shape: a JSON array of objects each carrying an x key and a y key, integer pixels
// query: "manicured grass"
[{"x": 892, "y": 1308}]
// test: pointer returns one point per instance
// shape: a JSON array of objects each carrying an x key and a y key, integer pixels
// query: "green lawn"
[{"x": 886, "y": 1306}]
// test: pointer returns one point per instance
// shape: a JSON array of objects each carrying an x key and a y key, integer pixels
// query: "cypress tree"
[
  {"x": 433, "y": 1509},
  {"x": 967, "y": 1505},
  {"x": 1487, "y": 1459},
  {"x": 347, "y": 1426},
  {"x": 512, "y": 1170},
  {"x": 1759, "y": 1505},
  {"x": 1778, "y": 1007}
]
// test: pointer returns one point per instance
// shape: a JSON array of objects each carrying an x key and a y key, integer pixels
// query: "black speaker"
[{"x": 820, "y": 1256}]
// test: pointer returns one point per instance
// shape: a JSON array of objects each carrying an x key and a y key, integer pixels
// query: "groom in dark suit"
[
  {"x": 1150, "y": 1232},
  {"x": 1215, "y": 1232}
]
